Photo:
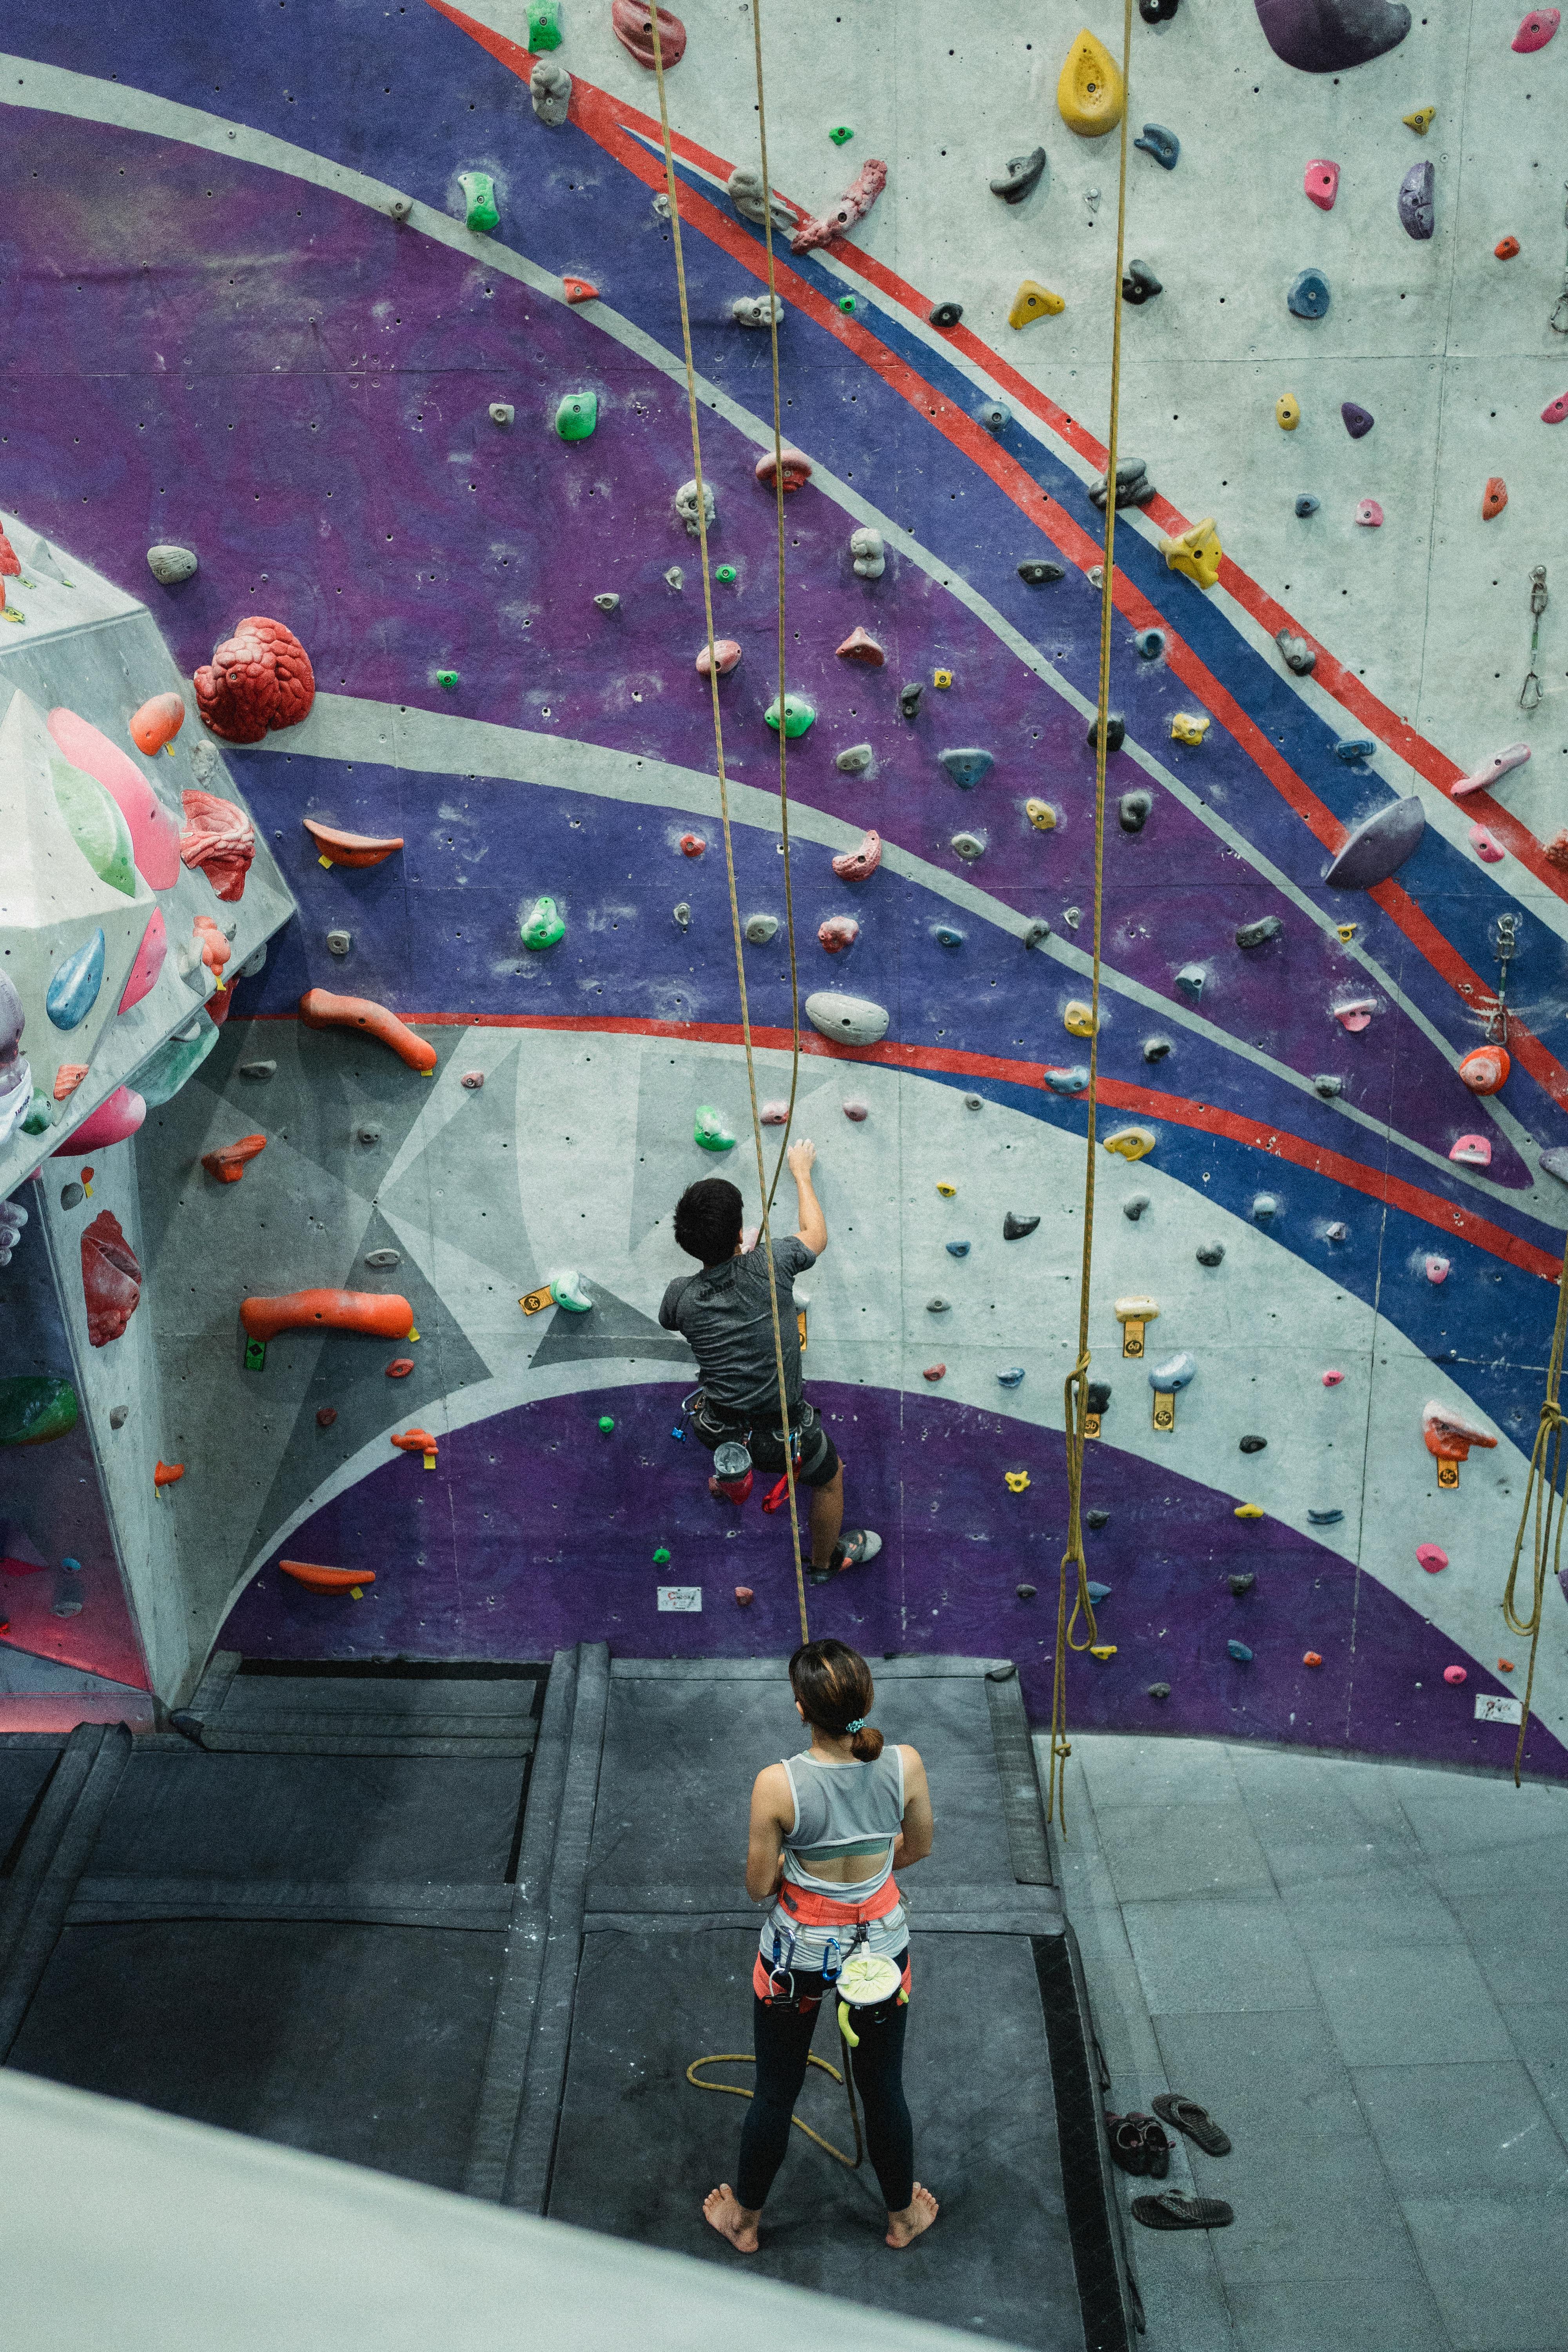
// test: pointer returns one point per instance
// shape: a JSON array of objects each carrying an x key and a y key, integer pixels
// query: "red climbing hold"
[
  {"x": 326, "y": 1579},
  {"x": 838, "y": 932},
  {"x": 854, "y": 205},
  {"x": 796, "y": 470},
  {"x": 1485, "y": 1071},
  {"x": 473, "y": 1080},
  {"x": 1506, "y": 248},
  {"x": 220, "y": 840},
  {"x": 216, "y": 950},
  {"x": 631, "y": 23},
  {"x": 692, "y": 844},
  {"x": 380, "y": 1313},
  {"x": 1556, "y": 850},
  {"x": 9, "y": 562},
  {"x": 1536, "y": 30},
  {"x": 579, "y": 289},
  {"x": 68, "y": 1078},
  {"x": 726, "y": 654},
  {"x": 400, "y": 1367},
  {"x": 856, "y": 865},
  {"x": 934, "y": 1373},
  {"x": 860, "y": 646},
  {"x": 338, "y": 848},
  {"x": 257, "y": 679},
  {"x": 157, "y": 722},
  {"x": 229, "y": 1163},
  {"x": 325, "y": 1415},
  {"x": 320, "y": 1008},
  {"x": 111, "y": 1280},
  {"x": 1494, "y": 498},
  {"x": 415, "y": 1441},
  {"x": 744, "y": 1595},
  {"x": 1433, "y": 1558}
]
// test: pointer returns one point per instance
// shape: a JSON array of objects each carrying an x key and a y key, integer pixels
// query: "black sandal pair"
[
  {"x": 1171, "y": 2210},
  {"x": 1139, "y": 2144}
]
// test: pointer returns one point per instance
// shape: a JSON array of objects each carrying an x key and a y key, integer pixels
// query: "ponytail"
[{"x": 833, "y": 1684}]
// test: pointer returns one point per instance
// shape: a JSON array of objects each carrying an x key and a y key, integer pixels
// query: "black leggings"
[{"x": 782, "y": 2044}]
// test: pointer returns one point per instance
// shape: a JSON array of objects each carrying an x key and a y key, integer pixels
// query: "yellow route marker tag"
[
  {"x": 324, "y": 861},
  {"x": 414, "y": 1335},
  {"x": 1164, "y": 1411},
  {"x": 1448, "y": 1474},
  {"x": 536, "y": 1301},
  {"x": 1091, "y": 1425},
  {"x": 800, "y": 1326},
  {"x": 429, "y": 1461}
]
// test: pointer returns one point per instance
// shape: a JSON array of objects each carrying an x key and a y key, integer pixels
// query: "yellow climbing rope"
[
  {"x": 1544, "y": 1495},
  {"x": 733, "y": 2091},
  {"x": 1075, "y": 1390},
  {"x": 673, "y": 192}
]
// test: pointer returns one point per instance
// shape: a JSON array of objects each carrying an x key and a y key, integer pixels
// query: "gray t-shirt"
[{"x": 725, "y": 1317}]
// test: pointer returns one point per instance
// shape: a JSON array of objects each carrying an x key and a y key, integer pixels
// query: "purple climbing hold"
[
  {"x": 1379, "y": 847},
  {"x": 1330, "y": 36},
  {"x": 1415, "y": 208},
  {"x": 1359, "y": 421}
]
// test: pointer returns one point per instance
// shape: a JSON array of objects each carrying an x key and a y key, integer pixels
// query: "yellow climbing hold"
[
  {"x": 1089, "y": 92},
  {"x": 1249, "y": 1510},
  {"x": 947, "y": 1190},
  {"x": 1187, "y": 726},
  {"x": 1421, "y": 121},
  {"x": 1033, "y": 301},
  {"x": 1078, "y": 1018},
  {"x": 1016, "y": 1480},
  {"x": 942, "y": 677},
  {"x": 1131, "y": 1142},
  {"x": 1347, "y": 931},
  {"x": 1198, "y": 552},
  {"x": 1287, "y": 411},
  {"x": 1041, "y": 815},
  {"x": 1102, "y": 1651}
]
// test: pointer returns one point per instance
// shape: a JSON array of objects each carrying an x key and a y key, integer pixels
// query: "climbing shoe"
[{"x": 854, "y": 1549}]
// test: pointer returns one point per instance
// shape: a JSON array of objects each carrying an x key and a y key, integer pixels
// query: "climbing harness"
[
  {"x": 1544, "y": 1495},
  {"x": 1530, "y": 691},
  {"x": 700, "y": 517},
  {"x": 861, "y": 1982},
  {"x": 1074, "y": 1391}
]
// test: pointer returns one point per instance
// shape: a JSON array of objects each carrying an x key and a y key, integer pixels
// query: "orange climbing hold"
[
  {"x": 1494, "y": 498},
  {"x": 229, "y": 1163},
  {"x": 796, "y": 469},
  {"x": 320, "y": 1008},
  {"x": 1505, "y": 1665},
  {"x": 327, "y": 1579},
  {"x": 157, "y": 723},
  {"x": 581, "y": 290},
  {"x": 415, "y": 1441},
  {"x": 68, "y": 1078},
  {"x": 338, "y": 848},
  {"x": 216, "y": 950},
  {"x": 381, "y": 1315},
  {"x": 165, "y": 1473},
  {"x": 1485, "y": 1071},
  {"x": 1311, "y": 1658},
  {"x": 1507, "y": 248}
]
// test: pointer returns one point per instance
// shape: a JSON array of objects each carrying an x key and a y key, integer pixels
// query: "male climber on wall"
[{"x": 724, "y": 1316}]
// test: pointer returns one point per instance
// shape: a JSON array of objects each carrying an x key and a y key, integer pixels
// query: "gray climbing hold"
[
  {"x": 1024, "y": 1592},
  {"x": 1307, "y": 295},
  {"x": 851, "y": 1020},
  {"x": 1329, "y": 1087},
  {"x": 909, "y": 700},
  {"x": 1336, "y": 1233},
  {"x": 502, "y": 411},
  {"x": 1024, "y": 174},
  {"x": 1331, "y": 35},
  {"x": 1156, "y": 1048},
  {"x": 1067, "y": 1082},
  {"x": 119, "y": 1416},
  {"x": 1254, "y": 1444},
  {"x": 1139, "y": 283},
  {"x": 995, "y": 415},
  {"x": 967, "y": 844},
  {"x": 674, "y": 577},
  {"x": 1037, "y": 933},
  {"x": 967, "y": 768},
  {"x": 1299, "y": 656},
  {"x": 550, "y": 91},
  {"x": 687, "y": 504},
  {"x": 1240, "y": 1653},
  {"x": 1134, "y": 1205},
  {"x": 760, "y": 929},
  {"x": 1259, "y": 934},
  {"x": 1555, "y": 1163},
  {"x": 958, "y": 1249},
  {"x": 1133, "y": 485},
  {"x": 338, "y": 942},
  {"x": 1132, "y": 810},
  {"x": 367, "y": 1135},
  {"x": 608, "y": 601},
  {"x": 1359, "y": 421},
  {"x": 1378, "y": 846},
  {"x": 855, "y": 760},
  {"x": 745, "y": 186},
  {"x": 1211, "y": 1253},
  {"x": 947, "y": 935},
  {"x": 973, "y": 1102},
  {"x": 757, "y": 311},
  {"x": 1115, "y": 732},
  {"x": 257, "y": 1070},
  {"x": 384, "y": 1257},
  {"x": 1157, "y": 1690},
  {"x": 1351, "y": 749},
  {"x": 871, "y": 559},
  {"x": 1306, "y": 504},
  {"x": 1325, "y": 1519},
  {"x": 1416, "y": 213},
  {"x": 170, "y": 564},
  {"x": 1240, "y": 1584},
  {"x": 1097, "y": 1518},
  {"x": 1017, "y": 1229},
  {"x": 1190, "y": 981},
  {"x": 1150, "y": 643},
  {"x": 936, "y": 1306},
  {"x": 400, "y": 206},
  {"x": 1010, "y": 1378},
  {"x": 1265, "y": 1209},
  {"x": 1174, "y": 1373},
  {"x": 1163, "y": 145},
  {"x": 71, "y": 1195},
  {"x": 1038, "y": 572},
  {"x": 1096, "y": 1396},
  {"x": 682, "y": 914},
  {"x": 944, "y": 314}
]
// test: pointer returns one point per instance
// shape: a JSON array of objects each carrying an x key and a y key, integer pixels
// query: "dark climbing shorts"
[{"x": 816, "y": 1462}]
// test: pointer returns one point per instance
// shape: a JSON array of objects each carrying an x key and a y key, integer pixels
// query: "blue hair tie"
[{"x": 858, "y": 1724}]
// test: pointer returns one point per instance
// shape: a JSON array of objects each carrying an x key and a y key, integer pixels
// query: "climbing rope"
[
  {"x": 733, "y": 2091},
  {"x": 673, "y": 192},
  {"x": 1075, "y": 1388},
  {"x": 1544, "y": 1495}
]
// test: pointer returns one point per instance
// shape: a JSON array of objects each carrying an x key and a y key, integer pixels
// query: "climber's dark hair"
[
  {"x": 708, "y": 1220},
  {"x": 833, "y": 1684}
]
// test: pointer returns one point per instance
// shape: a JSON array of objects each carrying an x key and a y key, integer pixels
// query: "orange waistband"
[{"x": 809, "y": 1909}]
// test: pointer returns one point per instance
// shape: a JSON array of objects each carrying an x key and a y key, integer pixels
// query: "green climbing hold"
[
  {"x": 567, "y": 1290},
  {"x": 661, "y": 1555},
  {"x": 543, "y": 926},
  {"x": 479, "y": 195},
  {"x": 841, "y": 134},
  {"x": 727, "y": 573},
  {"x": 450, "y": 678},
  {"x": 710, "y": 1131},
  {"x": 35, "y": 1408},
  {"x": 847, "y": 302},
  {"x": 41, "y": 1114},
  {"x": 798, "y": 715},
  {"x": 97, "y": 827},
  {"x": 577, "y": 415},
  {"x": 606, "y": 1423},
  {"x": 544, "y": 25}
]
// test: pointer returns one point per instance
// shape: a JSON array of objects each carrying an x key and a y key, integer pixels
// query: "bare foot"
[
  {"x": 918, "y": 2215},
  {"x": 738, "y": 2228}
]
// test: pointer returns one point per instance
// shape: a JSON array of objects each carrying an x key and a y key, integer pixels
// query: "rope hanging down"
[
  {"x": 1074, "y": 1391},
  {"x": 766, "y": 1192},
  {"x": 1543, "y": 1495}
]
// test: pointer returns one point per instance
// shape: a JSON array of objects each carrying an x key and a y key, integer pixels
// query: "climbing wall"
[{"x": 449, "y": 453}]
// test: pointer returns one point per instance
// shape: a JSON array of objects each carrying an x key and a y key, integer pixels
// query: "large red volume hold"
[
  {"x": 320, "y": 1008},
  {"x": 257, "y": 679},
  {"x": 631, "y": 23},
  {"x": 220, "y": 839},
  {"x": 111, "y": 1280},
  {"x": 380, "y": 1313},
  {"x": 326, "y": 1579}
]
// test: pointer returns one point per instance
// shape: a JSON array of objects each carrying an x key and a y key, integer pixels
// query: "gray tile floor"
[{"x": 1362, "y": 1971}]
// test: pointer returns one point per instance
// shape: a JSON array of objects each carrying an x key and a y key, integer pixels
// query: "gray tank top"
[{"x": 844, "y": 1810}]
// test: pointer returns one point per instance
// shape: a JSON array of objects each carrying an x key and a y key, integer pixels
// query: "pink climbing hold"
[
  {"x": 860, "y": 646},
  {"x": 838, "y": 932},
  {"x": 1332, "y": 1379},
  {"x": 856, "y": 865},
  {"x": 934, "y": 1373},
  {"x": 1555, "y": 410},
  {"x": 112, "y": 1122},
  {"x": 1436, "y": 1269},
  {"x": 692, "y": 844},
  {"x": 726, "y": 654},
  {"x": 1471, "y": 1152},
  {"x": 149, "y": 961},
  {"x": 855, "y": 1109},
  {"x": 1322, "y": 183},
  {"x": 1455, "y": 1675},
  {"x": 1369, "y": 514},
  {"x": 219, "y": 839},
  {"x": 473, "y": 1080},
  {"x": 154, "y": 831},
  {"x": 1491, "y": 772},
  {"x": 854, "y": 205},
  {"x": 1432, "y": 1556},
  {"x": 1536, "y": 30},
  {"x": 1485, "y": 844},
  {"x": 774, "y": 1114},
  {"x": 796, "y": 468},
  {"x": 631, "y": 23},
  {"x": 1356, "y": 1015}
]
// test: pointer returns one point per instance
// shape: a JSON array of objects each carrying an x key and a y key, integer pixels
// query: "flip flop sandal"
[
  {"x": 1157, "y": 2148},
  {"x": 1186, "y": 2116},
  {"x": 1127, "y": 2143},
  {"x": 1171, "y": 2210}
]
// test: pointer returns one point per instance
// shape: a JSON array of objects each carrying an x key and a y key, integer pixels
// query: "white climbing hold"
[
  {"x": 855, "y": 760},
  {"x": 774, "y": 1114},
  {"x": 502, "y": 411},
  {"x": 757, "y": 311},
  {"x": 674, "y": 577},
  {"x": 1491, "y": 772},
  {"x": 866, "y": 547},
  {"x": 760, "y": 929},
  {"x": 685, "y": 506},
  {"x": 170, "y": 564},
  {"x": 968, "y": 846},
  {"x": 849, "y": 1020}
]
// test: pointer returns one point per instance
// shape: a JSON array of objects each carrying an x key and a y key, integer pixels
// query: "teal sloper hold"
[
  {"x": 543, "y": 926},
  {"x": 73, "y": 992},
  {"x": 710, "y": 1131},
  {"x": 1010, "y": 1380},
  {"x": 947, "y": 935},
  {"x": 1240, "y": 1653},
  {"x": 1067, "y": 1082},
  {"x": 1163, "y": 145},
  {"x": 35, "y": 1408},
  {"x": 1325, "y": 1519},
  {"x": 577, "y": 415},
  {"x": 159, "y": 1079},
  {"x": 958, "y": 1249},
  {"x": 798, "y": 715},
  {"x": 1173, "y": 1374},
  {"x": 967, "y": 768},
  {"x": 567, "y": 1290},
  {"x": 1307, "y": 295},
  {"x": 479, "y": 195}
]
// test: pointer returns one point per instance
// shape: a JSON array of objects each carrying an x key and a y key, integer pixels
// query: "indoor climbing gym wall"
[{"x": 363, "y": 682}]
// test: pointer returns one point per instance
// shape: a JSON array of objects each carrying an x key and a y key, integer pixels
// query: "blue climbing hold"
[
  {"x": 1240, "y": 1653},
  {"x": 1010, "y": 1380},
  {"x": 1150, "y": 643},
  {"x": 73, "y": 992},
  {"x": 1325, "y": 1519},
  {"x": 1099, "y": 1593},
  {"x": 1306, "y": 504},
  {"x": 947, "y": 935},
  {"x": 1351, "y": 748},
  {"x": 995, "y": 415},
  {"x": 1067, "y": 1082},
  {"x": 1172, "y": 1374},
  {"x": 1307, "y": 296},
  {"x": 1163, "y": 145},
  {"x": 958, "y": 1249},
  {"x": 967, "y": 768}
]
